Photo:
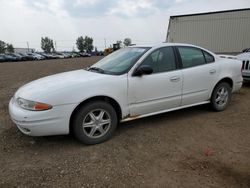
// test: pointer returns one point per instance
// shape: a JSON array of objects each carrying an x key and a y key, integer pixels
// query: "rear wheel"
[
  {"x": 221, "y": 96},
  {"x": 95, "y": 122}
]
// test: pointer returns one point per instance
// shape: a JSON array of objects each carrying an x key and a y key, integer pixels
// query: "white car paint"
[
  {"x": 227, "y": 56},
  {"x": 245, "y": 58},
  {"x": 36, "y": 56},
  {"x": 145, "y": 95},
  {"x": 136, "y": 96}
]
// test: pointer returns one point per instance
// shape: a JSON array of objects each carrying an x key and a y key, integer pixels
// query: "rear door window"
[{"x": 191, "y": 56}]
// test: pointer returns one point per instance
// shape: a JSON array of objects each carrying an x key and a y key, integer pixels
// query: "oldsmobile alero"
[{"x": 131, "y": 83}]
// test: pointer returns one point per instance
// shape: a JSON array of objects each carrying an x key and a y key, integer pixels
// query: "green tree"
[
  {"x": 2, "y": 47},
  {"x": 88, "y": 44},
  {"x": 10, "y": 48},
  {"x": 127, "y": 42},
  {"x": 84, "y": 44},
  {"x": 80, "y": 43},
  {"x": 47, "y": 45}
]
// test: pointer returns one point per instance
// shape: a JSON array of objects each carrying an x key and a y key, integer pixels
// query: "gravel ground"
[{"x": 193, "y": 147}]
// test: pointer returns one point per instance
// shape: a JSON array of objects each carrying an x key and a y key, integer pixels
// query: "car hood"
[
  {"x": 57, "y": 83},
  {"x": 244, "y": 56}
]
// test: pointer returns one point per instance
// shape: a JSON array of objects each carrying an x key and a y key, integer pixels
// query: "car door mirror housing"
[{"x": 144, "y": 69}]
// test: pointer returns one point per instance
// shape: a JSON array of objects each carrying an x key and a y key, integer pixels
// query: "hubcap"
[
  {"x": 96, "y": 123},
  {"x": 221, "y": 96}
]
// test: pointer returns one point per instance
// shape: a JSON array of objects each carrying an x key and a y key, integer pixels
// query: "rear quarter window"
[{"x": 209, "y": 58}]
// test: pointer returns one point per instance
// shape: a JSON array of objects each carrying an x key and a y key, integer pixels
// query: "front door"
[{"x": 158, "y": 91}]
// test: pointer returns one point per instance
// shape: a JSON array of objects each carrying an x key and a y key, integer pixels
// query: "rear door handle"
[
  {"x": 212, "y": 71},
  {"x": 175, "y": 79}
]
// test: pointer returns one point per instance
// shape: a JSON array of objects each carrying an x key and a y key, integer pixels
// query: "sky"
[{"x": 144, "y": 21}]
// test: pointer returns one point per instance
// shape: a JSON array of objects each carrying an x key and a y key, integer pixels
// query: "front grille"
[{"x": 245, "y": 65}]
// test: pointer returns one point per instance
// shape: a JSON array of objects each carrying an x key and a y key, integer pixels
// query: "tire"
[
  {"x": 94, "y": 122},
  {"x": 221, "y": 96}
]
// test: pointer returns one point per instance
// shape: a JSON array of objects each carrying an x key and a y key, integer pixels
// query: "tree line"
[
  {"x": 6, "y": 47},
  {"x": 83, "y": 44}
]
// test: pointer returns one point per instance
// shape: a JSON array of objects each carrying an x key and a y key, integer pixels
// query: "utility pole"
[
  {"x": 28, "y": 46},
  {"x": 55, "y": 46},
  {"x": 105, "y": 43}
]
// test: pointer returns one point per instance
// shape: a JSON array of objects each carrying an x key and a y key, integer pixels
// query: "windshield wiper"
[{"x": 96, "y": 69}]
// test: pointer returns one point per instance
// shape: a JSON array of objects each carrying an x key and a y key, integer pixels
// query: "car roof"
[
  {"x": 157, "y": 45},
  {"x": 164, "y": 44}
]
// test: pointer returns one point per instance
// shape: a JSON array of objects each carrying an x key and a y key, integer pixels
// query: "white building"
[
  {"x": 23, "y": 50},
  {"x": 221, "y": 32}
]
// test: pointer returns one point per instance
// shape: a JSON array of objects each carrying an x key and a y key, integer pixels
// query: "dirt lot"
[{"x": 194, "y": 147}]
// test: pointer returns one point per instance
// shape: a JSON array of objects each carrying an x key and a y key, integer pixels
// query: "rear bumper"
[
  {"x": 41, "y": 123},
  {"x": 237, "y": 86},
  {"x": 237, "y": 83}
]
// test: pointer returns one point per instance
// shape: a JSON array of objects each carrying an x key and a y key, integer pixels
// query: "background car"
[
  {"x": 84, "y": 54},
  {"x": 9, "y": 57},
  {"x": 245, "y": 59},
  {"x": 246, "y": 50},
  {"x": 2, "y": 58},
  {"x": 17, "y": 57},
  {"x": 66, "y": 54},
  {"x": 21, "y": 57},
  {"x": 48, "y": 55},
  {"x": 27, "y": 57},
  {"x": 58, "y": 55},
  {"x": 75, "y": 54},
  {"x": 37, "y": 56}
]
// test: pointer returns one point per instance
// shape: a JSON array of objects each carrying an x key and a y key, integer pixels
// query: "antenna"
[{"x": 55, "y": 46}]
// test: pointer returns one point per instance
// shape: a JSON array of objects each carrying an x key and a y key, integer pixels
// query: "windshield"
[{"x": 119, "y": 62}]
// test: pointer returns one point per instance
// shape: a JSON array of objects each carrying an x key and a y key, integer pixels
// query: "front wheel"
[
  {"x": 94, "y": 122},
  {"x": 221, "y": 96}
]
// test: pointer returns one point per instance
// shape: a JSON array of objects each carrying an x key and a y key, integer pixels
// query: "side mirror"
[{"x": 144, "y": 69}]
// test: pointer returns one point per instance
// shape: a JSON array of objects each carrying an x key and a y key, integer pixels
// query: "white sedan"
[{"x": 130, "y": 83}]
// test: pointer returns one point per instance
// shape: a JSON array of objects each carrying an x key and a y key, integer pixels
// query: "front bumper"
[
  {"x": 41, "y": 123},
  {"x": 246, "y": 78},
  {"x": 246, "y": 75}
]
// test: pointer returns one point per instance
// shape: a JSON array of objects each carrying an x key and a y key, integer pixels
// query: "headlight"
[{"x": 32, "y": 105}]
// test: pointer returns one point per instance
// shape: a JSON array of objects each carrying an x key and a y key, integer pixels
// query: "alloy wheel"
[
  {"x": 221, "y": 96},
  {"x": 96, "y": 123}
]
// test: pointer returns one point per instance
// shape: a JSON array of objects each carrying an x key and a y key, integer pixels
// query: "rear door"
[{"x": 200, "y": 73}]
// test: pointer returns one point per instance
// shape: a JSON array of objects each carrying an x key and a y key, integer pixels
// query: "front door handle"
[
  {"x": 212, "y": 71},
  {"x": 175, "y": 79}
]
